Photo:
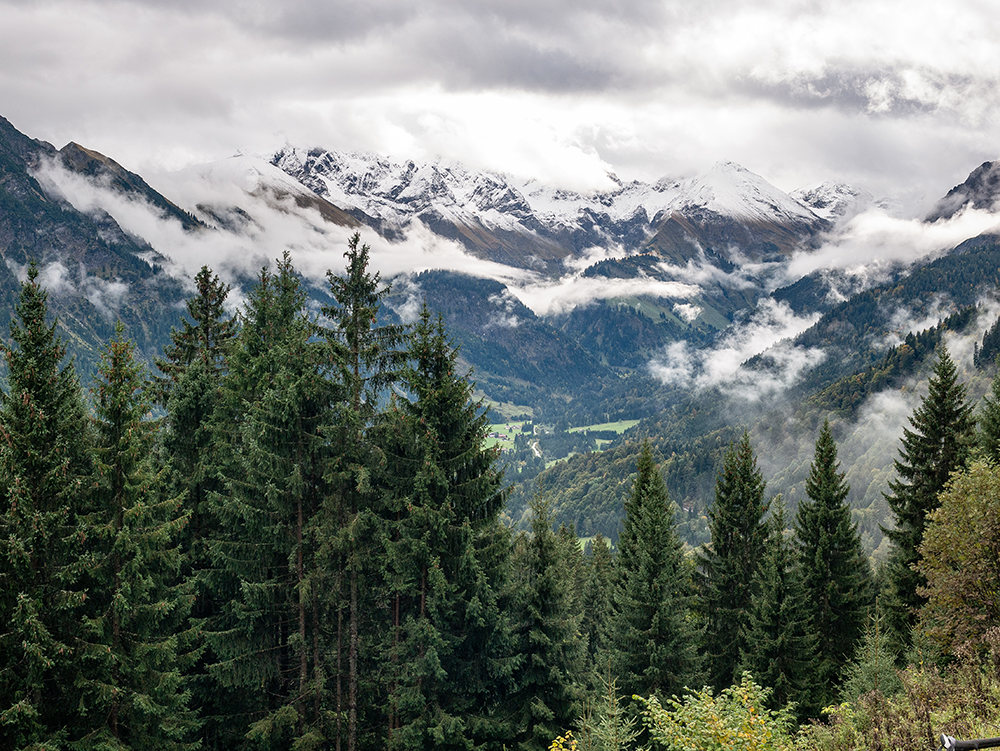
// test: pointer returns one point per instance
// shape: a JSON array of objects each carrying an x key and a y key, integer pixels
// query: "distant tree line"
[{"x": 290, "y": 538}]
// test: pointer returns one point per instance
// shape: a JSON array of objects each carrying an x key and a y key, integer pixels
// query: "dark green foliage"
[
  {"x": 729, "y": 563},
  {"x": 365, "y": 359},
  {"x": 836, "y": 574},
  {"x": 779, "y": 645},
  {"x": 193, "y": 365},
  {"x": 597, "y": 605},
  {"x": 267, "y": 579},
  {"x": 939, "y": 444},
  {"x": 653, "y": 638},
  {"x": 203, "y": 339},
  {"x": 443, "y": 496},
  {"x": 986, "y": 355},
  {"x": 44, "y": 467},
  {"x": 552, "y": 655},
  {"x": 988, "y": 423},
  {"x": 135, "y": 639}
]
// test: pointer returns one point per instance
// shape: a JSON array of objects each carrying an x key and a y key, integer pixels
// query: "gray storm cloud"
[{"x": 885, "y": 94}]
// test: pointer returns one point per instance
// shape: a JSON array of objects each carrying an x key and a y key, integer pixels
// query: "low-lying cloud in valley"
[
  {"x": 106, "y": 295},
  {"x": 871, "y": 244},
  {"x": 270, "y": 225},
  {"x": 551, "y": 297},
  {"x": 769, "y": 329}
]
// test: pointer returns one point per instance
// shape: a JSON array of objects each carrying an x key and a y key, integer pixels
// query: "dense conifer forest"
[{"x": 290, "y": 538}]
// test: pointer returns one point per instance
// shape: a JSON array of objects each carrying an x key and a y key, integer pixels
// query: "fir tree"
[
  {"x": 653, "y": 639},
  {"x": 203, "y": 339},
  {"x": 573, "y": 560},
  {"x": 194, "y": 364},
  {"x": 549, "y": 692},
  {"x": 268, "y": 576},
  {"x": 597, "y": 607},
  {"x": 873, "y": 667},
  {"x": 44, "y": 463},
  {"x": 779, "y": 648},
  {"x": 136, "y": 639},
  {"x": 607, "y": 725},
  {"x": 938, "y": 445},
  {"x": 835, "y": 571},
  {"x": 366, "y": 358},
  {"x": 444, "y": 494},
  {"x": 728, "y": 564}
]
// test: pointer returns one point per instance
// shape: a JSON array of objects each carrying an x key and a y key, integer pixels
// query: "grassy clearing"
[
  {"x": 619, "y": 427},
  {"x": 507, "y": 409},
  {"x": 502, "y": 434}
]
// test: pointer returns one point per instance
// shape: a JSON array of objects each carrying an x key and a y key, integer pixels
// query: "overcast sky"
[{"x": 900, "y": 97}]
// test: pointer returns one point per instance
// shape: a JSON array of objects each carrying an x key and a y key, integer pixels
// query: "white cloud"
[
  {"x": 687, "y": 311},
  {"x": 275, "y": 224},
  {"x": 870, "y": 244},
  {"x": 767, "y": 331},
  {"x": 548, "y": 297},
  {"x": 106, "y": 295}
]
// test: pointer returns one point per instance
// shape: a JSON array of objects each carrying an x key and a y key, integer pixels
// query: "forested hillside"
[{"x": 862, "y": 363}]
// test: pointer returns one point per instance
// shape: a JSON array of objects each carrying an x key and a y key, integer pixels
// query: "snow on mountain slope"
[
  {"x": 730, "y": 190},
  {"x": 502, "y": 218},
  {"x": 397, "y": 190},
  {"x": 839, "y": 202}
]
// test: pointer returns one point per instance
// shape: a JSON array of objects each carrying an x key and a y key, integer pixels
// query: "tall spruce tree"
[
  {"x": 837, "y": 576},
  {"x": 444, "y": 495},
  {"x": 366, "y": 358},
  {"x": 136, "y": 639},
  {"x": 943, "y": 432},
  {"x": 44, "y": 471},
  {"x": 193, "y": 366},
  {"x": 653, "y": 639},
  {"x": 552, "y": 659},
  {"x": 779, "y": 647},
  {"x": 267, "y": 577},
  {"x": 728, "y": 564},
  {"x": 597, "y": 609}
]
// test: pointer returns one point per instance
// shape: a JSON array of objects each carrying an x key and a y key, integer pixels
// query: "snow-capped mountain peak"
[
  {"x": 731, "y": 190},
  {"x": 840, "y": 202},
  {"x": 526, "y": 223}
]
